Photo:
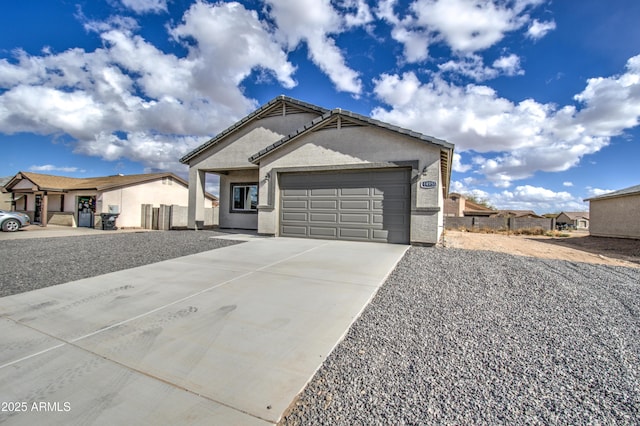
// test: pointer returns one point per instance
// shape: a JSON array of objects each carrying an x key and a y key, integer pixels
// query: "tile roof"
[
  {"x": 62, "y": 183},
  {"x": 575, "y": 215}
]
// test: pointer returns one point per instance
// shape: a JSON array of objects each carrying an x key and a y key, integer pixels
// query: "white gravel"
[{"x": 476, "y": 337}]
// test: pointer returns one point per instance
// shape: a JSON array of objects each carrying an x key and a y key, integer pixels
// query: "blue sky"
[{"x": 541, "y": 98}]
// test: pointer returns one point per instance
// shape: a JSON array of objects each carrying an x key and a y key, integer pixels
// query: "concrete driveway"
[{"x": 228, "y": 336}]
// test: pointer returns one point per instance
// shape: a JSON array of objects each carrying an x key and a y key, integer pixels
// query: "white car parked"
[{"x": 13, "y": 221}]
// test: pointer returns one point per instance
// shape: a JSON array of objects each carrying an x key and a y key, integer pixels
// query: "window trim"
[{"x": 235, "y": 185}]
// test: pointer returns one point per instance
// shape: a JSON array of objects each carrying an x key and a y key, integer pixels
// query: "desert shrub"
[
  {"x": 529, "y": 231},
  {"x": 557, "y": 234}
]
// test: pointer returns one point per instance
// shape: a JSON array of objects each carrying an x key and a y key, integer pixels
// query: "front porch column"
[{"x": 197, "y": 179}]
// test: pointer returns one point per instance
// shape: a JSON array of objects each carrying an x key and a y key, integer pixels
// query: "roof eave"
[
  {"x": 252, "y": 116},
  {"x": 449, "y": 147}
]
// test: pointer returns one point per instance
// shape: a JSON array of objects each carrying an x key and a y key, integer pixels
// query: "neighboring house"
[
  {"x": 517, "y": 213},
  {"x": 295, "y": 169},
  {"x": 457, "y": 205},
  {"x": 616, "y": 214},
  {"x": 74, "y": 202},
  {"x": 5, "y": 196},
  {"x": 574, "y": 220}
]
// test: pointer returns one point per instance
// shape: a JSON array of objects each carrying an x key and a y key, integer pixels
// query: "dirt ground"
[{"x": 579, "y": 247}]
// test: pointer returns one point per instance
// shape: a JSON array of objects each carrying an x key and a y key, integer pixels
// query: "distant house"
[
  {"x": 5, "y": 196},
  {"x": 517, "y": 213},
  {"x": 457, "y": 205},
  {"x": 616, "y": 214},
  {"x": 60, "y": 200},
  {"x": 574, "y": 220}
]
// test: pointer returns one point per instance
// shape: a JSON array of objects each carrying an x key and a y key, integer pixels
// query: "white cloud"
[
  {"x": 130, "y": 99},
  {"x": 457, "y": 165},
  {"x": 146, "y": 6},
  {"x": 472, "y": 66},
  {"x": 514, "y": 139},
  {"x": 538, "y": 29},
  {"x": 594, "y": 192},
  {"x": 509, "y": 65},
  {"x": 567, "y": 184},
  {"x": 313, "y": 21},
  {"x": 469, "y": 25},
  {"x": 466, "y": 26},
  {"x": 538, "y": 199},
  {"x": 52, "y": 168},
  {"x": 360, "y": 17}
]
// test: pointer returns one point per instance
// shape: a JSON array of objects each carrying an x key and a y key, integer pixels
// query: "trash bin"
[{"x": 109, "y": 221}]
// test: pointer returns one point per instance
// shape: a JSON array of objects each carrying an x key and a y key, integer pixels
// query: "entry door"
[
  {"x": 362, "y": 206},
  {"x": 37, "y": 214}
]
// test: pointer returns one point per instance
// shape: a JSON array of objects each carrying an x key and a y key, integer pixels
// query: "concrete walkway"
[
  {"x": 228, "y": 336},
  {"x": 50, "y": 231}
]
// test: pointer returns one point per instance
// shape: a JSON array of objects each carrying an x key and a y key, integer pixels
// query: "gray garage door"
[{"x": 366, "y": 206}]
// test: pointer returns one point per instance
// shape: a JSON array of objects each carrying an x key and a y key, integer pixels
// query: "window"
[{"x": 244, "y": 197}]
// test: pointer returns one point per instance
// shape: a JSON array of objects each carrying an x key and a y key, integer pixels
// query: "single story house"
[
  {"x": 457, "y": 205},
  {"x": 517, "y": 214},
  {"x": 67, "y": 201},
  {"x": 574, "y": 220},
  {"x": 295, "y": 169},
  {"x": 616, "y": 214},
  {"x": 5, "y": 196}
]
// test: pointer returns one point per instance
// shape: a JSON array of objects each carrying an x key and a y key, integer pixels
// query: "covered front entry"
[{"x": 371, "y": 205}]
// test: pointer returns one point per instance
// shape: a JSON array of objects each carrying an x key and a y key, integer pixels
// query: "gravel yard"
[
  {"x": 454, "y": 336},
  {"x": 476, "y": 337},
  {"x": 29, "y": 264}
]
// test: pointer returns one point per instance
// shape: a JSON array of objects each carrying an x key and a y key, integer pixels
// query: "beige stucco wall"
[
  {"x": 232, "y": 153},
  {"x": 226, "y": 218},
  {"x": 615, "y": 217},
  {"x": 129, "y": 199},
  {"x": 354, "y": 146},
  {"x": 5, "y": 200}
]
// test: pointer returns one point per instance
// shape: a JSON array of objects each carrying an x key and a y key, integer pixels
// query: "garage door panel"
[
  {"x": 361, "y": 192},
  {"x": 294, "y": 204},
  {"x": 323, "y": 217},
  {"x": 316, "y": 231},
  {"x": 298, "y": 231},
  {"x": 323, "y": 204},
  {"x": 295, "y": 216},
  {"x": 293, "y": 192},
  {"x": 324, "y": 192},
  {"x": 365, "y": 205},
  {"x": 354, "y": 204},
  {"x": 354, "y": 218},
  {"x": 356, "y": 233}
]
